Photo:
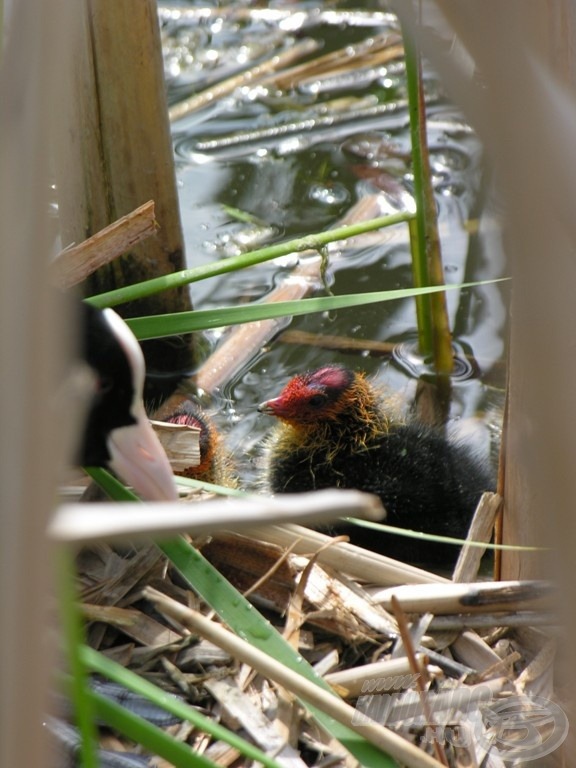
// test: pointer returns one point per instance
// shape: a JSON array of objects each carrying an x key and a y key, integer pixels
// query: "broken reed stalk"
[
  {"x": 481, "y": 529},
  {"x": 107, "y": 163},
  {"x": 348, "y": 558},
  {"x": 494, "y": 620},
  {"x": 75, "y": 263}
]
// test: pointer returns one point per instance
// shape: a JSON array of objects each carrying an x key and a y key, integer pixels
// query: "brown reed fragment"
[
  {"x": 296, "y": 614},
  {"x": 302, "y": 590},
  {"x": 134, "y": 623},
  {"x": 270, "y": 572},
  {"x": 75, "y": 263},
  {"x": 418, "y": 670},
  {"x": 341, "y": 343}
]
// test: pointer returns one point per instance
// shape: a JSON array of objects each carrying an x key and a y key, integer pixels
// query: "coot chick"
[
  {"x": 336, "y": 432},
  {"x": 215, "y": 463},
  {"x": 117, "y": 432}
]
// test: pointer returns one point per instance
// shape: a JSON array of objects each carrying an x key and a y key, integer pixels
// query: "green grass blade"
[
  {"x": 157, "y": 326},
  {"x": 250, "y": 625},
  {"x": 99, "y": 663},
  {"x": 149, "y": 736},
  {"x": 73, "y": 636},
  {"x": 110, "y": 485},
  {"x": 410, "y": 534},
  {"x": 116, "y": 490},
  {"x": 433, "y": 326},
  {"x": 221, "y": 490},
  {"x": 234, "y": 263},
  {"x": 418, "y": 225}
]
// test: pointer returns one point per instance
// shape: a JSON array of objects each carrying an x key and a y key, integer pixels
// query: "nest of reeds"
[{"x": 431, "y": 670}]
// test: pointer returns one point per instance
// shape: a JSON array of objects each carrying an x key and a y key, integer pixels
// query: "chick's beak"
[
  {"x": 139, "y": 460},
  {"x": 269, "y": 406}
]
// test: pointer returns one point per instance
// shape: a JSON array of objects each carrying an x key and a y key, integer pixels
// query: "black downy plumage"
[{"x": 336, "y": 432}]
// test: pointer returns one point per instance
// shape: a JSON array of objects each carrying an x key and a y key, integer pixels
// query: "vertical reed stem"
[{"x": 433, "y": 326}]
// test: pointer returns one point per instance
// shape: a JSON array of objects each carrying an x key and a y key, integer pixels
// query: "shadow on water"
[{"x": 297, "y": 156}]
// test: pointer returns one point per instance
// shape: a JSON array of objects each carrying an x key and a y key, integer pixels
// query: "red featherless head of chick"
[
  {"x": 215, "y": 464},
  {"x": 325, "y": 395}
]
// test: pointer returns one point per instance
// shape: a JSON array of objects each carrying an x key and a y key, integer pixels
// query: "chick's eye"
[{"x": 317, "y": 400}]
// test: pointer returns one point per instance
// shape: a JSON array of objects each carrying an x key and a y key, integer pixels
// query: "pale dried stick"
[
  {"x": 481, "y": 528},
  {"x": 477, "y": 597}
]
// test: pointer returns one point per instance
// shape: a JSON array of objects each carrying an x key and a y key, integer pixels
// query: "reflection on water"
[{"x": 296, "y": 153}]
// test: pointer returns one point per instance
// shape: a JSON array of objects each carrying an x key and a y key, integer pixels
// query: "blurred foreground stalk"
[{"x": 116, "y": 154}]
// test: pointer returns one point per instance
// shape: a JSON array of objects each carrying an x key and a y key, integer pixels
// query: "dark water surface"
[{"x": 297, "y": 159}]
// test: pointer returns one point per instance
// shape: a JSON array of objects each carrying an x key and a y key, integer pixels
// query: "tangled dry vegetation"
[{"x": 434, "y": 661}]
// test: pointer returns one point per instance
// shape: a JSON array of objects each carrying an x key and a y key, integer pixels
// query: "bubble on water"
[
  {"x": 445, "y": 158},
  {"x": 407, "y": 355},
  {"x": 329, "y": 194}
]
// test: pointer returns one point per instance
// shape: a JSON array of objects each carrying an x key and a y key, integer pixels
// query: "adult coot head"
[{"x": 118, "y": 434}]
